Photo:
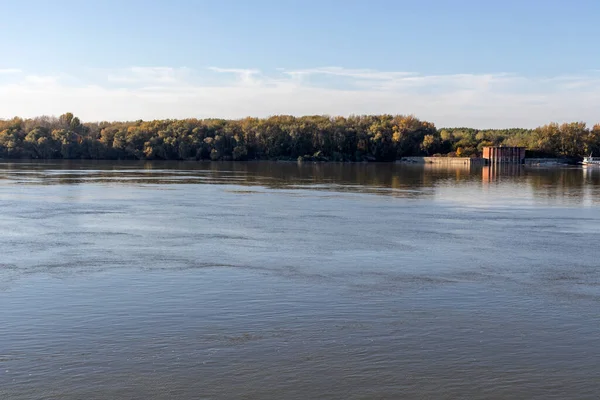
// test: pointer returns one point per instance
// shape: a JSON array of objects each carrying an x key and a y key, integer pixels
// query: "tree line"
[{"x": 314, "y": 138}]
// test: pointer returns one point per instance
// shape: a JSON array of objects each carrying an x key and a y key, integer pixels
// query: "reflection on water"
[
  {"x": 568, "y": 184},
  {"x": 281, "y": 280},
  {"x": 496, "y": 172}
]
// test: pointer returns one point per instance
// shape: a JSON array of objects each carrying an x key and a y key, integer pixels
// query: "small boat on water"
[{"x": 591, "y": 161}]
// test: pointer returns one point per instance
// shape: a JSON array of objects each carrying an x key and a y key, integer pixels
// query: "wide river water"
[{"x": 298, "y": 281}]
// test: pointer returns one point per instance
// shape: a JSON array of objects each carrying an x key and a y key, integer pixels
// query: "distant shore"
[{"x": 367, "y": 138}]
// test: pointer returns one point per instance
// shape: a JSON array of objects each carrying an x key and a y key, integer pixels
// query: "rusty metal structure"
[{"x": 504, "y": 155}]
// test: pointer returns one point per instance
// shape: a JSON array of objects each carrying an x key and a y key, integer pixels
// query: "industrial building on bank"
[
  {"x": 504, "y": 155},
  {"x": 491, "y": 155}
]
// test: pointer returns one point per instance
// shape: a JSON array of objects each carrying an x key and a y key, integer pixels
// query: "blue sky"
[{"x": 463, "y": 62}]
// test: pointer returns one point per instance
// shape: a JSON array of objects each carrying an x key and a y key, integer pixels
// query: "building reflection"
[{"x": 495, "y": 172}]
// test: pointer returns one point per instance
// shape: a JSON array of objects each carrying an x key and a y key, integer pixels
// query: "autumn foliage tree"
[{"x": 282, "y": 137}]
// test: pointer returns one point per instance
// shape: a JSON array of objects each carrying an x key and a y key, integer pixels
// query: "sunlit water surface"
[{"x": 288, "y": 281}]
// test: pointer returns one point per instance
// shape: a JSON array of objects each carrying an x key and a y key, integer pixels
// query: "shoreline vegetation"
[{"x": 283, "y": 138}]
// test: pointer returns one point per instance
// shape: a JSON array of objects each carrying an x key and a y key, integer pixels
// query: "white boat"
[{"x": 591, "y": 161}]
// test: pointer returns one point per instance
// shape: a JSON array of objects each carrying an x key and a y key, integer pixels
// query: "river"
[{"x": 267, "y": 280}]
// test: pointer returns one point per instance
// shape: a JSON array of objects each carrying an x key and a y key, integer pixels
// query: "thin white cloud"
[
  {"x": 478, "y": 100},
  {"x": 350, "y": 73},
  {"x": 41, "y": 80},
  {"x": 244, "y": 76},
  {"x": 148, "y": 75},
  {"x": 7, "y": 71},
  {"x": 237, "y": 71}
]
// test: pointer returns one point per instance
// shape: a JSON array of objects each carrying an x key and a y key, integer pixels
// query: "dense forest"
[{"x": 318, "y": 138}]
